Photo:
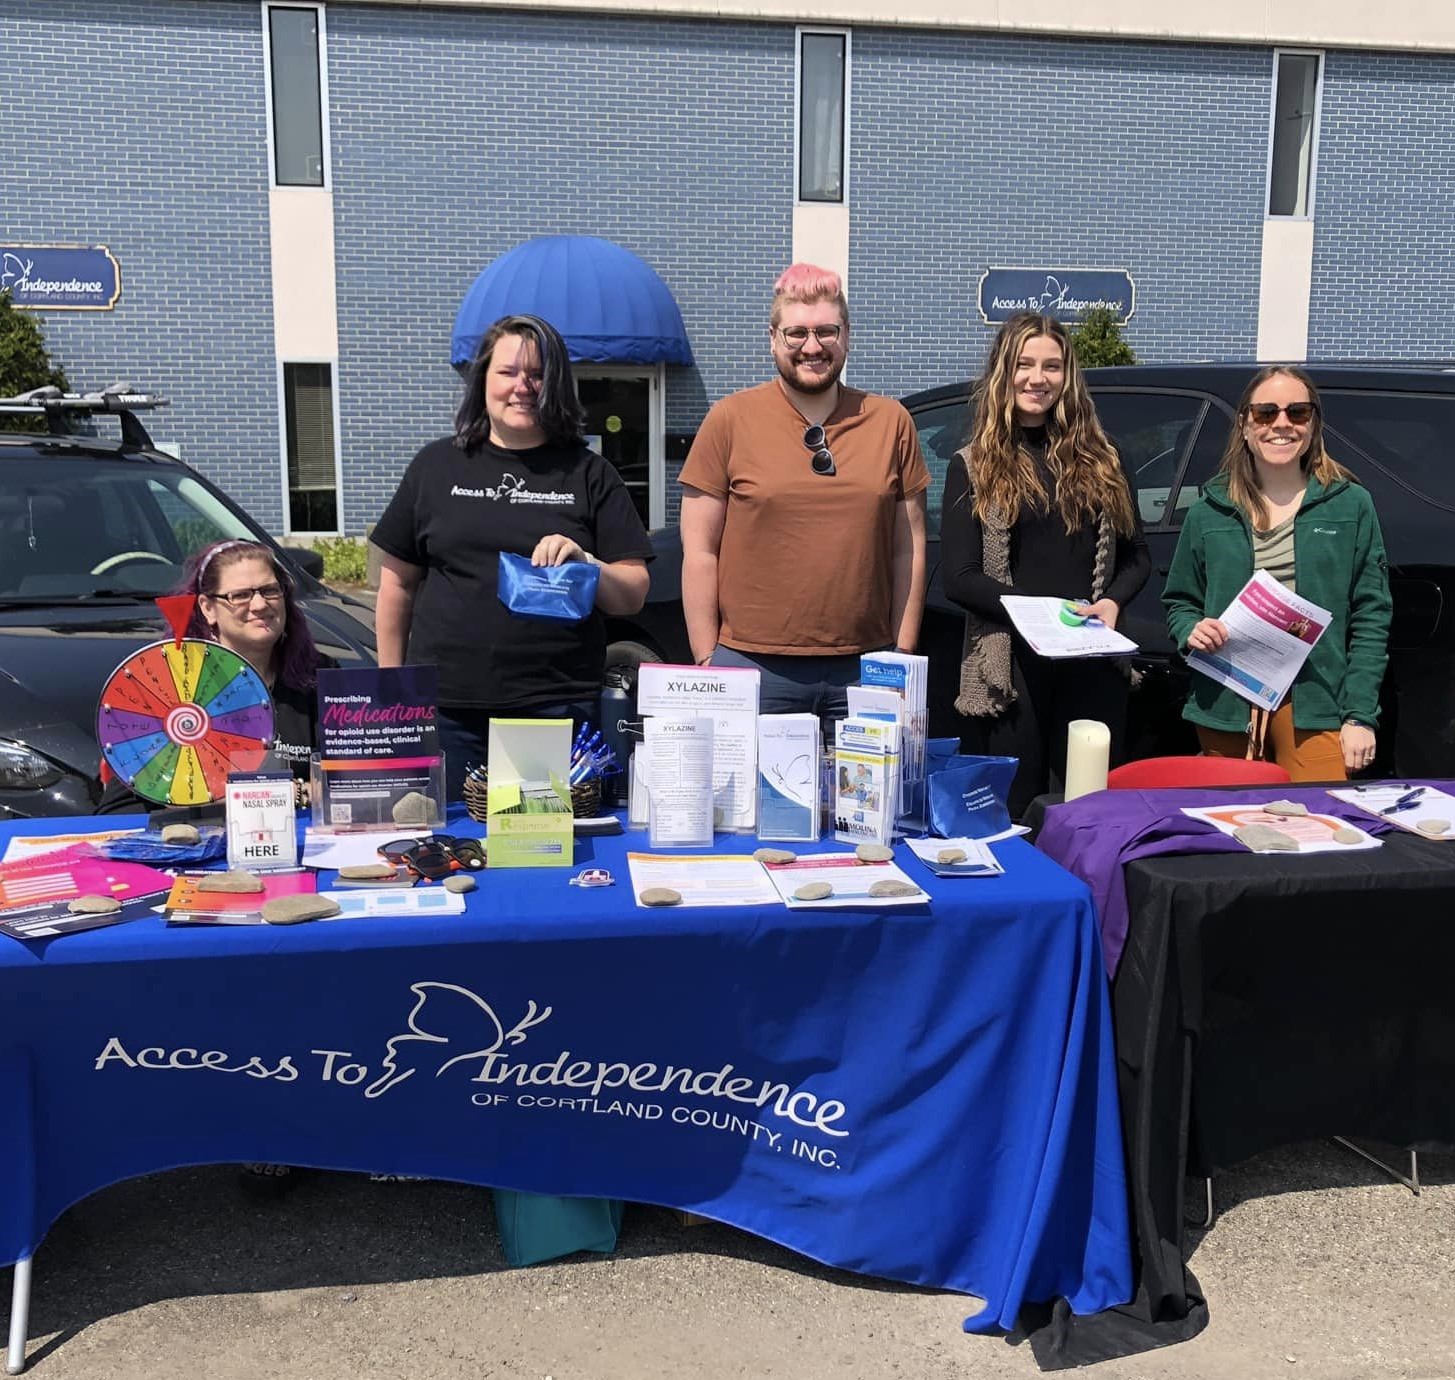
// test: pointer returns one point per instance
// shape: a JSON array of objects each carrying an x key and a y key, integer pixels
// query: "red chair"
[{"x": 1153, "y": 772}]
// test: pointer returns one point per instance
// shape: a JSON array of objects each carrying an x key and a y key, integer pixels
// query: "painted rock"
[
  {"x": 368, "y": 872},
  {"x": 94, "y": 905},
  {"x": 459, "y": 881},
  {"x": 290, "y": 910},
  {"x": 774, "y": 855},
  {"x": 180, "y": 833},
  {"x": 414, "y": 808},
  {"x": 891, "y": 886},
  {"x": 814, "y": 891},
  {"x": 948, "y": 857},
  {"x": 873, "y": 852},
  {"x": 661, "y": 896},
  {"x": 238, "y": 880},
  {"x": 1285, "y": 807},
  {"x": 1263, "y": 838}
]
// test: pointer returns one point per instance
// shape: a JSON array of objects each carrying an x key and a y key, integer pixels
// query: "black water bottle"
[{"x": 618, "y": 709}]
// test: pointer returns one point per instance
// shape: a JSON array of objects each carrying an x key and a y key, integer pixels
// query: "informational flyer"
[
  {"x": 729, "y": 696},
  {"x": 36, "y": 893},
  {"x": 1052, "y": 630},
  {"x": 706, "y": 879},
  {"x": 978, "y": 861},
  {"x": 1313, "y": 833},
  {"x": 848, "y": 880},
  {"x": 679, "y": 764},
  {"x": 1271, "y": 631},
  {"x": 378, "y": 741}
]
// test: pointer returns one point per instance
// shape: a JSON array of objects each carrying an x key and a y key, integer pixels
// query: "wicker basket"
[{"x": 585, "y": 798}]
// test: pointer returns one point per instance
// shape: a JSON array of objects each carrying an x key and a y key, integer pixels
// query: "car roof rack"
[{"x": 120, "y": 399}]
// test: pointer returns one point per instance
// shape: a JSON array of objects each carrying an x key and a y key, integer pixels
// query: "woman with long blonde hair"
[
  {"x": 1281, "y": 504},
  {"x": 1039, "y": 504}
]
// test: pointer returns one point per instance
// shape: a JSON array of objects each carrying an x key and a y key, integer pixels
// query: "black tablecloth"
[{"x": 1263, "y": 1000}]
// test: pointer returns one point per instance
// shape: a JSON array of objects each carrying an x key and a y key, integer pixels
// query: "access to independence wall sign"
[
  {"x": 1065, "y": 293},
  {"x": 60, "y": 277}
]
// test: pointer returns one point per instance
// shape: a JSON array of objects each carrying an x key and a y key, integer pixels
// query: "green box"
[{"x": 529, "y": 820}]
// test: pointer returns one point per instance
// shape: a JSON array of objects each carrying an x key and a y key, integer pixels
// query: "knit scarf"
[{"x": 985, "y": 681}]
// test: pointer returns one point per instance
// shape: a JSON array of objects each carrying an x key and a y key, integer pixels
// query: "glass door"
[{"x": 623, "y": 422}]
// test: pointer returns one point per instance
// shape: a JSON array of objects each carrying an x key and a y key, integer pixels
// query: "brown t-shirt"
[{"x": 805, "y": 565}]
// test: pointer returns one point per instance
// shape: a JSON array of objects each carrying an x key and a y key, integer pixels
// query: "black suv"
[
  {"x": 1392, "y": 425},
  {"x": 91, "y": 530}
]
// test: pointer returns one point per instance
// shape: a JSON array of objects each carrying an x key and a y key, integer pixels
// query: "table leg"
[
  {"x": 1412, "y": 1182},
  {"x": 19, "y": 1317}
]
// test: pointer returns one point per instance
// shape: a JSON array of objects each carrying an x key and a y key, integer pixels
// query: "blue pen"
[{"x": 1408, "y": 801}]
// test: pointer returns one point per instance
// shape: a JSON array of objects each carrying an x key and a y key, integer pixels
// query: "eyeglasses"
[
  {"x": 436, "y": 856},
  {"x": 822, "y": 459},
  {"x": 242, "y": 598},
  {"x": 798, "y": 335},
  {"x": 1265, "y": 414}
]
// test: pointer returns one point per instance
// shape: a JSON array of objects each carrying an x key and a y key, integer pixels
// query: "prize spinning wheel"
[{"x": 177, "y": 716}]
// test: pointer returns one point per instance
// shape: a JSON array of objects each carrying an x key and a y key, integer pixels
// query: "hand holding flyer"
[{"x": 1270, "y": 634}]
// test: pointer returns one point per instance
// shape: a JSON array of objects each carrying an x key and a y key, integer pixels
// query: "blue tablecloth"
[{"x": 926, "y": 1093}]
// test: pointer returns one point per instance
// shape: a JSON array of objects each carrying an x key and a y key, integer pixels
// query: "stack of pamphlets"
[
  {"x": 908, "y": 675},
  {"x": 866, "y": 779},
  {"x": 788, "y": 776}
]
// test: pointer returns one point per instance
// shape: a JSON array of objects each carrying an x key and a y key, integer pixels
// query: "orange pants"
[{"x": 1306, "y": 754}]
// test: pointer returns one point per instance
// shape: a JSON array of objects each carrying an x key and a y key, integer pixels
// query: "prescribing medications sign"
[{"x": 60, "y": 277}]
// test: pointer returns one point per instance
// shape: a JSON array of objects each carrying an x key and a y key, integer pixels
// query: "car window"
[
  {"x": 1153, "y": 431},
  {"x": 1407, "y": 433},
  {"x": 70, "y": 526},
  {"x": 942, "y": 431}
]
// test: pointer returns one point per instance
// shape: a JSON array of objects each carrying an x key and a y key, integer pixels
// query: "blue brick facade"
[
  {"x": 142, "y": 125},
  {"x": 1384, "y": 210},
  {"x": 458, "y": 133},
  {"x": 973, "y": 150}
]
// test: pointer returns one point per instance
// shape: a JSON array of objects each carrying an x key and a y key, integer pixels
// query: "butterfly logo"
[
  {"x": 449, "y": 1025},
  {"x": 14, "y": 271}
]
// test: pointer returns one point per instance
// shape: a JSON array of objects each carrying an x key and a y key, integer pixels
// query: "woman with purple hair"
[{"x": 246, "y": 602}]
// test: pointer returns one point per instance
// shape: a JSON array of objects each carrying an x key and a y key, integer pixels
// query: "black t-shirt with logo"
[{"x": 454, "y": 513}]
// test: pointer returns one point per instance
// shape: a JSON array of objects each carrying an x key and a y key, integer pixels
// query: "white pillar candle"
[{"x": 1088, "y": 745}]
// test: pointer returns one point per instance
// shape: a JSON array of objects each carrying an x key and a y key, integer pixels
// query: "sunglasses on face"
[
  {"x": 797, "y": 336},
  {"x": 435, "y": 857},
  {"x": 821, "y": 458},
  {"x": 1265, "y": 414},
  {"x": 239, "y": 599}
]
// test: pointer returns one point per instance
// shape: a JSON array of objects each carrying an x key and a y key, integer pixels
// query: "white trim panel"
[
  {"x": 1285, "y": 285},
  {"x": 305, "y": 288}
]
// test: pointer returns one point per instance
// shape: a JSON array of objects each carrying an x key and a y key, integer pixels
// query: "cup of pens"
[{"x": 592, "y": 761}]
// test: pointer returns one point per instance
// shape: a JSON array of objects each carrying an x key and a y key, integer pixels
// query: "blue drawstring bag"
[
  {"x": 968, "y": 794},
  {"x": 563, "y": 593}
]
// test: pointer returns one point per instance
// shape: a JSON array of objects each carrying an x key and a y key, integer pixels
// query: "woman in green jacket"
[{"x": 1280, "y": 504}]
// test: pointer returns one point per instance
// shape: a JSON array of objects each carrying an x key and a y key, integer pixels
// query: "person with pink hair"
[{"x": 803, "y": 515}]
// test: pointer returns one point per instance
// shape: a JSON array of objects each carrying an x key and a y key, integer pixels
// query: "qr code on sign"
[{"x": 340, "y": 812}]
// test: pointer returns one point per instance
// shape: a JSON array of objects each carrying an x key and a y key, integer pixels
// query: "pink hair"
[{"x": 808, "y": 283}]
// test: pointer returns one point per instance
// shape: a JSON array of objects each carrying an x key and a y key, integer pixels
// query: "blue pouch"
[
  {"x": 968, "y": 794},
  {"x": 563, "y": 593},
  {"x": 147, "y": 847},
  {"x": 538, "y": 1226}
]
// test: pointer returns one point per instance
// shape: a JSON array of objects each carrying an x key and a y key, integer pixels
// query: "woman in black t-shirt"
[
  {"x": 246, "y": 601},
  {"x": 1037, "y": 504},
  {"x": 516, "y": 476}
]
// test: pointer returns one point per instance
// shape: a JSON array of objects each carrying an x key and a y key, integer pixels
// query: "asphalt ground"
[{"x": 1318, "y": 1268}]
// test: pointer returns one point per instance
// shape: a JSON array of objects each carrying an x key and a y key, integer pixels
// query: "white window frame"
[
  {"x": 848, "y": 36},
  {"x": 323, "y": 101},
  {"x": 656, "y": 377},
  {"x": 338, "y": 468},
  {"x": 1313, "y": 170}
]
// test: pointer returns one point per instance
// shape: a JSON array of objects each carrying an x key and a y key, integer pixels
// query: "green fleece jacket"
[{"x": 1340, "y": 565}]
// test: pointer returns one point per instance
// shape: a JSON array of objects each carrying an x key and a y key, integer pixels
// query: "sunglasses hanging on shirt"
[{"x": 821, "y": 458}]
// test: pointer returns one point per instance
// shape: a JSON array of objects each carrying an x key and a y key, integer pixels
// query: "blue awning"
[{"x": 610, "y": 306}]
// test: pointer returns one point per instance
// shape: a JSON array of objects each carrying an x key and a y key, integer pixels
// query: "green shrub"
[
  {"x": 24, "y": 363},
  {"x": 345, "y": 560},
  {"x": 1098, "y": 340}
]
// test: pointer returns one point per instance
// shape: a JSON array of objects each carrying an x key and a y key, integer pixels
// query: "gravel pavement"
[{"x": 1318, "y": 1269}]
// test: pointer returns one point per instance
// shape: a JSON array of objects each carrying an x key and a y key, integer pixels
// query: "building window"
[
  {"x": 296, "y": 90},
  {"x": 1294, "y": 136},
  {"x": 309, "y": 437},
  {"x": 823, "y": 85}
]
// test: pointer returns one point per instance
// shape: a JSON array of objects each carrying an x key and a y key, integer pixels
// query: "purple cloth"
[{"x": 1096, "y": 836}]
